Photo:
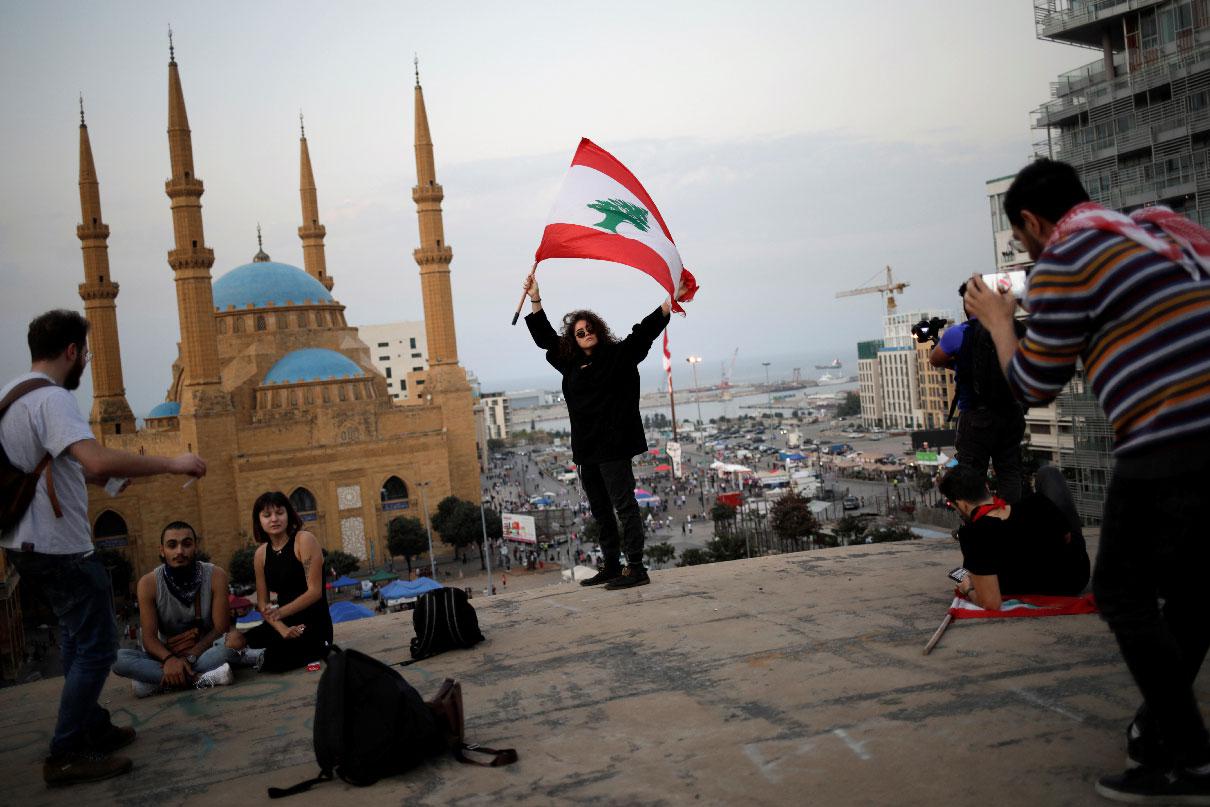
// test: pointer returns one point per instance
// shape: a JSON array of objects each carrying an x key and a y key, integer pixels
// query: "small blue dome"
[
  {"x": 168, "y": 409},
  {"x": 312, "y": 364},
  {"x": 267, "y": 283}
]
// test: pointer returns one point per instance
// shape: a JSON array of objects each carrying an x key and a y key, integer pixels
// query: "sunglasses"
[{"x": 582, "y": 332}]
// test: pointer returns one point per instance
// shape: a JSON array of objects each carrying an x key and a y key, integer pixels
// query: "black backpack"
[
  {"x": 988, "y": 383},
  {"x": 17, "y": 488},
  {"x": 444, "y": 620},
  {"x": 370, "y": 723}
]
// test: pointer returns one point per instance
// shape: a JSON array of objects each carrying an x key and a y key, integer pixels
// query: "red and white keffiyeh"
[{"x": 1192, "y": 241}]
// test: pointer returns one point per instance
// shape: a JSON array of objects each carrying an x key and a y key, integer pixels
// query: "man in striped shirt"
[{"x": 1130, "y": 298}]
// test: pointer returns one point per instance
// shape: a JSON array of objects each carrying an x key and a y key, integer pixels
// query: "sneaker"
[
  {"x": 218, "y": 677},
  {"x": 1143, "y": 785},
  {"x": 631, "y": 576},
  {"x": 605, "y": 575},
  {"x": 76, "y": 767},
  {"x": 1146, "y": 748},
  {"x": 252, "y": 657},
  {"x": 142, "y": 689},
  {"x": 110, "y": 738}
]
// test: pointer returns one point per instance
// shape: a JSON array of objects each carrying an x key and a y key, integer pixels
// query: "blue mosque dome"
[
  {"x": 167, "y": 409},
  {"x": 312, "y": 364},
  {"x": 263, "y": 283}
]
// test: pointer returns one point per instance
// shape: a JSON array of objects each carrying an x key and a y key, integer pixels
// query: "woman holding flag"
[{"x": 601, "y": 389}]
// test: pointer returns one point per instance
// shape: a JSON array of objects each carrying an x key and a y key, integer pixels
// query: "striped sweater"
[{"x": 1141, "y": 325}]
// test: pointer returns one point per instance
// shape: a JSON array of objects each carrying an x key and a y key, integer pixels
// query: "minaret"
[
  {"x": 311, "y": 232},
  {"x": 434, "y": 255},
  {"x": 445, "y": 382},
  {"x": 191, "y": 259},
  {"x": 110, "y": 412}
]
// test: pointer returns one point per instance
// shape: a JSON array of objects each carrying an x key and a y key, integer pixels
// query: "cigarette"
[{"x": 192, "y": 479}]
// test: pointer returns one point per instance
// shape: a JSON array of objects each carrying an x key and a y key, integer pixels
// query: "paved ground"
[{"x": 784, "y": 680}]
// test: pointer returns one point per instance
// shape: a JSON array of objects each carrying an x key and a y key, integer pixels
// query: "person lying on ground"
[{"x": 1032, "y": 547}]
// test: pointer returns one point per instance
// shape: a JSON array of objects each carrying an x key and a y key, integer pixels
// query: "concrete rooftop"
[{"x": 792, "y": 679}]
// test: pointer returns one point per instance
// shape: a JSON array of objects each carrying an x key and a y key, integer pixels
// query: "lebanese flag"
[
  {"x": 602, "y": 212},
  {"x": 1032, "y": 605}
]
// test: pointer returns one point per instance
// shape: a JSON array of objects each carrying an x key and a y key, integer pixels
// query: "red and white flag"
[
  {"x": 604, "y": 213},
  {"x": 1031, "y": 605}
]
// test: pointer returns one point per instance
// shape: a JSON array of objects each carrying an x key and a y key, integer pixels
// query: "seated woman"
[
  {"x": 1032, "y": 547},
  {"x": 289, "y": 563}
]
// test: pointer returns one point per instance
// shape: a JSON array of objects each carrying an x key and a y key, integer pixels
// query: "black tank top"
[{"x": 284, "y": 573}]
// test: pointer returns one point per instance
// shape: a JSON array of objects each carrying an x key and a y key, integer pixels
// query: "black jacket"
[{"x": 602, "y": 390}]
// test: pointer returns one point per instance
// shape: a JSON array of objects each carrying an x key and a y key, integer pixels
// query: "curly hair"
[{"x": 569, "y": 348}]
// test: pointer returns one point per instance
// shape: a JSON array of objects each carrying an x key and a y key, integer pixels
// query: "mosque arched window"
[
  {"x": 394, "y": 494},
  {"x": 110, "y": 531},
  {"x": 342, "y": 393},
  {"x": 260, "y": 322},
  {"x": 282, "y": 322},
  {"x": 302, "y": 319},
  {"x": 304, "y": 503},
  {"x": 222, "y": 326},
  {"x": 237, "y": 325}
]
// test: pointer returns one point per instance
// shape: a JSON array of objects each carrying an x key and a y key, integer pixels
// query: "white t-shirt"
[{"x": 48, "y": 421}]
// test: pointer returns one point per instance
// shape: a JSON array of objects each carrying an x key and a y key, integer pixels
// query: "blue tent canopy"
[
  {"x": 348, "y": 611},
  {"x": 345, "y": 580},
  {"x": 414, "y": 588}
]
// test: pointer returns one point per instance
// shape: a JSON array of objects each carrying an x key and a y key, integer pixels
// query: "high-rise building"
[
  {"x": 899, "y": 368},
  {"x": 1135, "y": 123},
  {"x": 399, "y": 352},
  {"x": 497, "y": 414},
  {"x": 869, "y": 379}
]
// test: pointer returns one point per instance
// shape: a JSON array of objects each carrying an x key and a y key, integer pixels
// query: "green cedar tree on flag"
[{"x": 604, "y": 213}]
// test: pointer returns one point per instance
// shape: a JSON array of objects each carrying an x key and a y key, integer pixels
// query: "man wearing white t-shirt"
[{"x": 52, "y": 547}]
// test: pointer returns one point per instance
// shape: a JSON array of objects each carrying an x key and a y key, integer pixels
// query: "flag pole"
[
  {"x": 945, "y": 623},
  {"x": 516, "y": 314}
]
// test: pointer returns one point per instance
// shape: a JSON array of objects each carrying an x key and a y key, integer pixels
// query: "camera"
[{"x": 929, "y": 330}]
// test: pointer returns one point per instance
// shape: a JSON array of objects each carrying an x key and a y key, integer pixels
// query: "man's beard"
[{"x": 72, "y": 381}]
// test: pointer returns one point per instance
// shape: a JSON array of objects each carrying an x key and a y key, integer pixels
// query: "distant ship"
[{"x": 835, "y": 365}]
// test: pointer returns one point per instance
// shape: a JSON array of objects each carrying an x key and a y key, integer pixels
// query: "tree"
[
  {"x": 850, "y": 406},
  {"x": 891, "y": 532},
  {"x": 241, "y": 569},
  {"x": 791, "y": 519},
  {"x": 850, "y": 529},
  {"x": 339, "y": 563},
  {"x": 495, "y": 444},
  {"x": 723, "y": 516},
  {"x": 732, "y": 546},
  {"x": 461, "y": 524},
  {"x": 694, "y": 557},
  {"x": 617, "y": 211},
  {"x": 659, "y": 554},
  {"x": 406, "y": 536}
]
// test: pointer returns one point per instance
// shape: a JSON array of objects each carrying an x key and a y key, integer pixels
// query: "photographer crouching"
[{"x": 991, "y": 422}]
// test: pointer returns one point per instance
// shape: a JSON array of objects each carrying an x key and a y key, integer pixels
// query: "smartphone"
[
  {"x": 1006, "y": 281},
  {"x": 958, "y": 575}
]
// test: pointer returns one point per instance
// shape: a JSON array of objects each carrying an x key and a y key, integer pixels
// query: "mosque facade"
[{"x": 271, "y": 386}]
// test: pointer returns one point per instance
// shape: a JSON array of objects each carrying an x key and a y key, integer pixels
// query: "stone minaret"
[
  {"x": 110, "y": 412},
  {"x": 445, "y": 382},
  {"x": 311, "y": 232},
  {"x": 434, "y": 255},
  {"x": 191, "y": 259}
]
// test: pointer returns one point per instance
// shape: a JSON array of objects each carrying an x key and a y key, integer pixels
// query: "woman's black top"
[
  {"x": 602, "y": 390},
  {"x": 1031, "y": 552},
  {"x": 284, "y": 574}
]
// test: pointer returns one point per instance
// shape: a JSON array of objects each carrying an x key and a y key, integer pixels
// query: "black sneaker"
[
  {"x": 631, "y": 576},
  {"x": 1142, "y": 785},
  {"x": 605, "y": 575},
  {"x": 1145, "y": 748},
  {"x": 77, "y": 767}
]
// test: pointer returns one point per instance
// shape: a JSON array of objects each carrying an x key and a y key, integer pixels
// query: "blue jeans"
[
  {"x": 77, "y": 589},
  {"x": 137, "y": 664}
]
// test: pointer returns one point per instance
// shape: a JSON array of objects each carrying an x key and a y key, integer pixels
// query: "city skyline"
[{"x": 789, "y": 164}]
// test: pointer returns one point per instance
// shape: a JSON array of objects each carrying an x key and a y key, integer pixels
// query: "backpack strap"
[
  {"x": 20, "y": 391},
  {"x": 301, "y": 787}
]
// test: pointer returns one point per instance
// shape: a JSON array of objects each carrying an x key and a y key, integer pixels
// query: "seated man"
[
  {"x": 1032, "y": 547},
  {"x": 184, "y": 618}
]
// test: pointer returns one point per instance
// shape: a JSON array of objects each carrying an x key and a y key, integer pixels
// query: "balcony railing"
[{"x": 1053, "y": 17}]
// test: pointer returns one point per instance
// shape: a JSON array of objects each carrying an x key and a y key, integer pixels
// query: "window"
[
  {"x": 110, "y": 530},
  {"x": 412, "y": 343},
  {"x": 384, "y": 344},
  {"x": 388, "y": 374},
  {"x": 393, "y": 490},
  {"x": 415, "y": 355},
  {"x": 260, "y": 323},
  {"x": 417, "y": 369},
  {"x": 384, "y": 358}
]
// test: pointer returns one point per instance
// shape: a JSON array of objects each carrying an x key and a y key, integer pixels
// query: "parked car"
[{"x": 851, "y": 503}]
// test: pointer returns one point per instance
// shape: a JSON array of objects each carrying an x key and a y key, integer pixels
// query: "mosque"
[{"x": 271, "y": 386}]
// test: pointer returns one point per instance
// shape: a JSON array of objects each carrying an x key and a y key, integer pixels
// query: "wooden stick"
[
  {"x": 945, "y": 623},
  {"x": 516, "y": 314}
]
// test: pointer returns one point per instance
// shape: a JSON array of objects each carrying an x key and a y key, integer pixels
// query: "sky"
[{"x": 793, "y": 148}]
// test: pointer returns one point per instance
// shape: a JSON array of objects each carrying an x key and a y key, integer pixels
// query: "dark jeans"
[
  {"x": 993, "y": 434},
  {"x": 609, "y": 487},
  {"x": 78, "y": 591},
  {"x": 1154, "y": 545}
]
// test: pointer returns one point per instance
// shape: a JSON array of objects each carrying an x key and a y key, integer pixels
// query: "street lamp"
[
  {"x": 694, "y": 361},
  {"x": 487, "y": 549},
  {"x": 768, "y": 390},
  {"x": 424, "y": 505}
]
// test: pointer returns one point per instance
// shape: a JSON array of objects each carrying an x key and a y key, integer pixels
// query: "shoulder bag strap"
[{"x": 20, "y": 391}]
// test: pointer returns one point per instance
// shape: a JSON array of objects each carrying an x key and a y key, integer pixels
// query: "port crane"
[
  {"x": 725, "y": 383},
  {"x": 888, "y": 289}
]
